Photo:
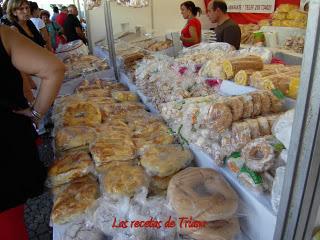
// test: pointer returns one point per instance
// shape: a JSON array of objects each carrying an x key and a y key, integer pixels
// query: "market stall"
[{"x": 204, "y": 134}]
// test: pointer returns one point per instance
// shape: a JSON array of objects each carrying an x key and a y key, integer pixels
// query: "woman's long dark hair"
[{"x": 192, "y": 7}]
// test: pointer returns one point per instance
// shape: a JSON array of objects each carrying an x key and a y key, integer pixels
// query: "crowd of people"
[
  {"x": 37, "y": 24},
  {"x": 226, "y": 30}
]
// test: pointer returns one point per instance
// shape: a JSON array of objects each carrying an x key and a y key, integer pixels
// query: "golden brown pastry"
[
  {"x": 165, "y": 160},
  {"x": 120, "y": 110},
  {"x": 82, "y": 113},
  {"x": 106, "y": 167},
  {"x": 203, "y": 194},
  {"x": 125, "y": 180},
  {"x": 73, "y": 137},
  {"x": 75, "y": 200},
  {"x": 96, "y": 93},
  {"x": 107, "y": 150},
  {"x": 69, "y": 167},
  {"x": 125, "y": 96}
]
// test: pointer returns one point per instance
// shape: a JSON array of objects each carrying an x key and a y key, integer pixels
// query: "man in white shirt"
[{"x": 40, "y": 25}]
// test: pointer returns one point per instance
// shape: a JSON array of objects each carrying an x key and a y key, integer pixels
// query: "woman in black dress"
[{"x": 22, "y": 174}]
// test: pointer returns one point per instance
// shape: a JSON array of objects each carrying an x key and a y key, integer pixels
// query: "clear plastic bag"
[
  {"x": 165, "y": 160},
  {"x": 111, "y": 211},
  {"x": 76, "y": 200},
  {"x": 277, "y": 188},
  {"x": 69, "y": 167},
  {"x": 196, "y": 191},
  {"x": 125, "y": 96},
  {"x": 105, "y": 150},
  {"x": 74, "y": 137},
  {"x": 74, "y": 48},
  {"x": 124, "y": 180},
  {"x": 80, "y": 231},
  {"x": 282, "y": 128}
]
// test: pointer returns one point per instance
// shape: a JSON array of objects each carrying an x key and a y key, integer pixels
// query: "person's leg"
[{"x": 12, "y": 225}]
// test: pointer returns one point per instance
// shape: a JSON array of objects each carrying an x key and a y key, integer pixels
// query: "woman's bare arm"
[
  {"x": 31, "y": 59},
  {"x": 194, "y": 36},
  {"x": 46, "y": 36}
]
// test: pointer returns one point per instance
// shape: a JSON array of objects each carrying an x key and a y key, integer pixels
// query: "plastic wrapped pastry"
[
  {"x": 165, "y": 160},
  {"x": 220, "y": 229},
  {"x": 203, "y": 194},
  {"x": 277, "y": 188},
  {"x": 251, "y": 179},
  {"x": 259, "y": 155},
  {"x": 119, "y": 110},
  {"x": 75, "y": 200},
  {"x": 82, "y": 113},
  {"x": 107, "y": 166},
  {"x": 68, "y": 167},
  {"x": 125, "y": 180},
  {"x": 74, "y": 137},
  {"x": 282, "y": 128},
  {"x": 125, "y": 96},
  {"x": 107, "y": 150}
]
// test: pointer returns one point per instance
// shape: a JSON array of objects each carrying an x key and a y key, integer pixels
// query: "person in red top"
[
  {"x": 191, "y": 33},
  {"x": 62, "y": 16}
]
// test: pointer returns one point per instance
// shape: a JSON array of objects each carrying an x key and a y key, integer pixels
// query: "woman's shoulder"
[{"x": 194, "y": 21}]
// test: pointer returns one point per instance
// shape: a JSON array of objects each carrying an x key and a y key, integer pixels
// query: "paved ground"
[{"x": 37, "y": 212}]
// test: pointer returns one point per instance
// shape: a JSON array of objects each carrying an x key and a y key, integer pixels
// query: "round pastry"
[
  {"x": 82, "y": 114},
  {"x": 247, "y": 106},
  {"x": 125, "y": 180},
  {"x": 259, "y": 155},
  {"x": 220, "y": 116},
  {"x": 254, "y": 128},
  {"x": 165, "y": 160},
  {"x": 216, "y": 230},
  {"x": 264, "y": 126},
  {"x": 256, "y": 99},
  {"x": 203, "y": 194},
  {"x": 236, "y": 106},
  {"x": 241, "y": 134},
  {"x": 276, "y": 104},
  {"x": 265, "y": 102}
]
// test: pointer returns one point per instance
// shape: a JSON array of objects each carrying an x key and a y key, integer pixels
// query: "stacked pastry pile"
[
  {"x": 201, "y": 54},
  {"x": 287, "y": 15},
  {"x": 102, "y": 130},
  {"x": 280, "y": 77},
  {"x": 203, "y": 197},
  {"x": 159, "y": 46},
  {"x": 223, "y": 125},
  {"x": 295, "y": 44},
  {"x": 257, "y": 163},
  {"x": 166, "y": 81},
  {"x": 247, "y": 31},
  {"x": 78, "y": 65}
]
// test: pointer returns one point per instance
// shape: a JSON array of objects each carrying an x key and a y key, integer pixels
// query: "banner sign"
[{"x": 251, "y": 6}]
